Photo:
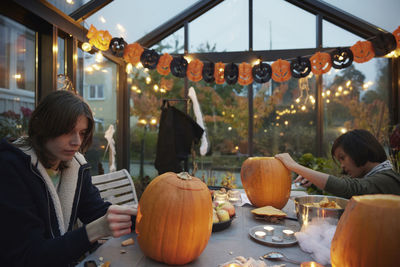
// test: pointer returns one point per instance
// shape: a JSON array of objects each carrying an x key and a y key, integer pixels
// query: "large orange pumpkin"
[
  {"x": 368, "y": 232},
  {"x": 174, "y": 219},
  {"x": 266, "y": 181}
]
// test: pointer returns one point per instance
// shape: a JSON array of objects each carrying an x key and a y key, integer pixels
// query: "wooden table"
[{"x": 222, "y": 247}]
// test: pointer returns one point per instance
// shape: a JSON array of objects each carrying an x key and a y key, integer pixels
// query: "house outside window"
[{"x": 96, "y": 92}]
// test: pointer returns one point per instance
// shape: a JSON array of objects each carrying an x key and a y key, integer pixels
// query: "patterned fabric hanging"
[
  {"x": 320, "y": 63},
  {"x": 245, "y": 74},
  {"x": 281, "y": 70}
]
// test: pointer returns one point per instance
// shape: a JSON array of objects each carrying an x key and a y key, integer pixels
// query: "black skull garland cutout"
[
  {"x": 383, "y": 44},
  {"x": 341, "y": 58},
  {"x": 179, "y": 66},
  {"x": 117, "y": 46},
  {"x": 300, "y": 67},
  {"x": 149, "y": 59},
  {"x": 262, "y": 72},
  {"x": 231, "y": 73},
  {"x": 208, "y": 72}
]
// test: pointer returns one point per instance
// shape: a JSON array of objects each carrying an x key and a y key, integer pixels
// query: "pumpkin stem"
[{"x": 184, "y": 176}]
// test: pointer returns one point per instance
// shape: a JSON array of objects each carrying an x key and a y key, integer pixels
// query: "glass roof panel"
[
  {"x": 384, "y": 13},
  {"x": 68, "y": 6},
  {"x": 281, "y": 25},
  {"x": 132, "y": 19},
  {"x": 223, "y": 28},
  {"x": 334, "y": 36}
]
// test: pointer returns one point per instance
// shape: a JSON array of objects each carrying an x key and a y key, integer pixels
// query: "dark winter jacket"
[{"x": 36, "y": 222}]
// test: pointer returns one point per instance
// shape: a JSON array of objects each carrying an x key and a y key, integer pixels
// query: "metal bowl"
[{"x": 306, "y": 214}]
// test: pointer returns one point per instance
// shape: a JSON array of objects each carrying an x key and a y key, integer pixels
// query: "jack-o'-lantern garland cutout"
[
  {"x": 179, "y": 67},
  {"x": 219, "y": 73},
  {"x": 362, "y": 51},
  {"x": 383, "y": 44},
  {"x": 99, "y": 39},
  {"x": 117, "y": 46},
  {"x": 396, "y": 34},
  {"x": 262, "y": 72},
  {"x": 163, "y": 64},
  {"x": 195, "y": 70},
  {"x": 300, "y": 67},
  {"x": 231, "y": 73},
  {"x": 281, "y": 70},
  {"x": 208, "y": 72},
  {"x": 320, "y": 63},
  {"x": 149, "y": 59},
  {"x": 132, "y": 53},
  {"x": 341, "y": 58},
  {"x": 245, "y": 74}
]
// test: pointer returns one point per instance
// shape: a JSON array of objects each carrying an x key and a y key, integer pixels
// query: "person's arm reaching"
[{"x": 317, "y": 178}]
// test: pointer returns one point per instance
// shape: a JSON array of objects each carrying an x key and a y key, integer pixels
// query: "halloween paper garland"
[{"x": 245, "y": 74}]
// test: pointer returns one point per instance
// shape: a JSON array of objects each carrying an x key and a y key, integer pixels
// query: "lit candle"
[
  {"x": 269, "y": 229},
  {"x": 260, "y": 234},
  {"x": 288, "y": 234},
  {"x": 311, "y": 264},
  {"x": 233, "y": 265}
]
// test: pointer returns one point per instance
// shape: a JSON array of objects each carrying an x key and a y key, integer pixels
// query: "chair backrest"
[{"x": 116, "y": 187}]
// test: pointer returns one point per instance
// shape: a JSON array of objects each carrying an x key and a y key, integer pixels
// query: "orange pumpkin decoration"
[
  {"x": 174, "y": 219},
  {"x": 266, "y": 181},
  {"x": 245, "y": 74},
  {"x": 219, "y": 73},
  {"x": 368, "y": 232},
  {"x": 91, "y": 32},
  {"x": 194, "y": 71},
  {"x": 281, "y": 70},
  {"x": 320, "y": 63},
  {"x": 132, "y": 53},
  {"x": 101, "y": 40},
  {"x": 396, "y": 34},
  {"x": 167, "y": 84},
  {"x": 362, "y": 51},
  {"x": 163, "y": 64}
]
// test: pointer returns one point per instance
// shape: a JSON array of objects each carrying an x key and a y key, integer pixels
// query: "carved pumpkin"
[
  {"x": 149, "y": 58},
  {"x": 208, "y": 72},
  {"x": 195, "y": 70},
  {"x": 368, "y": 232},
  {"x": 362, "y": 51},
  {"x": 396, "y": 34},
  {"x": 163, "y": 64},
  {"x": 179, "y": 67},
  {"x": 132, "y": 53},
  {"x": 383, "y": 44},
  {"x": 300, "y": 67},
  {"x": 245, "y": 75},
  {"x": 219, "y": 73},
  {"x": 101, "y": 40},
  {"x": 262, "y": 72},
  {"x": 320, "y": 63},
  {"x": 174, "y": 219},
  {"x": 266, "y": 181},
  {"x": 281, "y": 70},
  {"x": 341, "y": 58},
  {"x": 117, "y": 46},
  {"x": 231, "y": 73}
]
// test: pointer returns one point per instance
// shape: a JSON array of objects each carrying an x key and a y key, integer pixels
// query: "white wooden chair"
[{"x": 116, "y": 187}]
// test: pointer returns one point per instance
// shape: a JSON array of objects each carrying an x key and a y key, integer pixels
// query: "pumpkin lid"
[{"x": 379, "y": 200}]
